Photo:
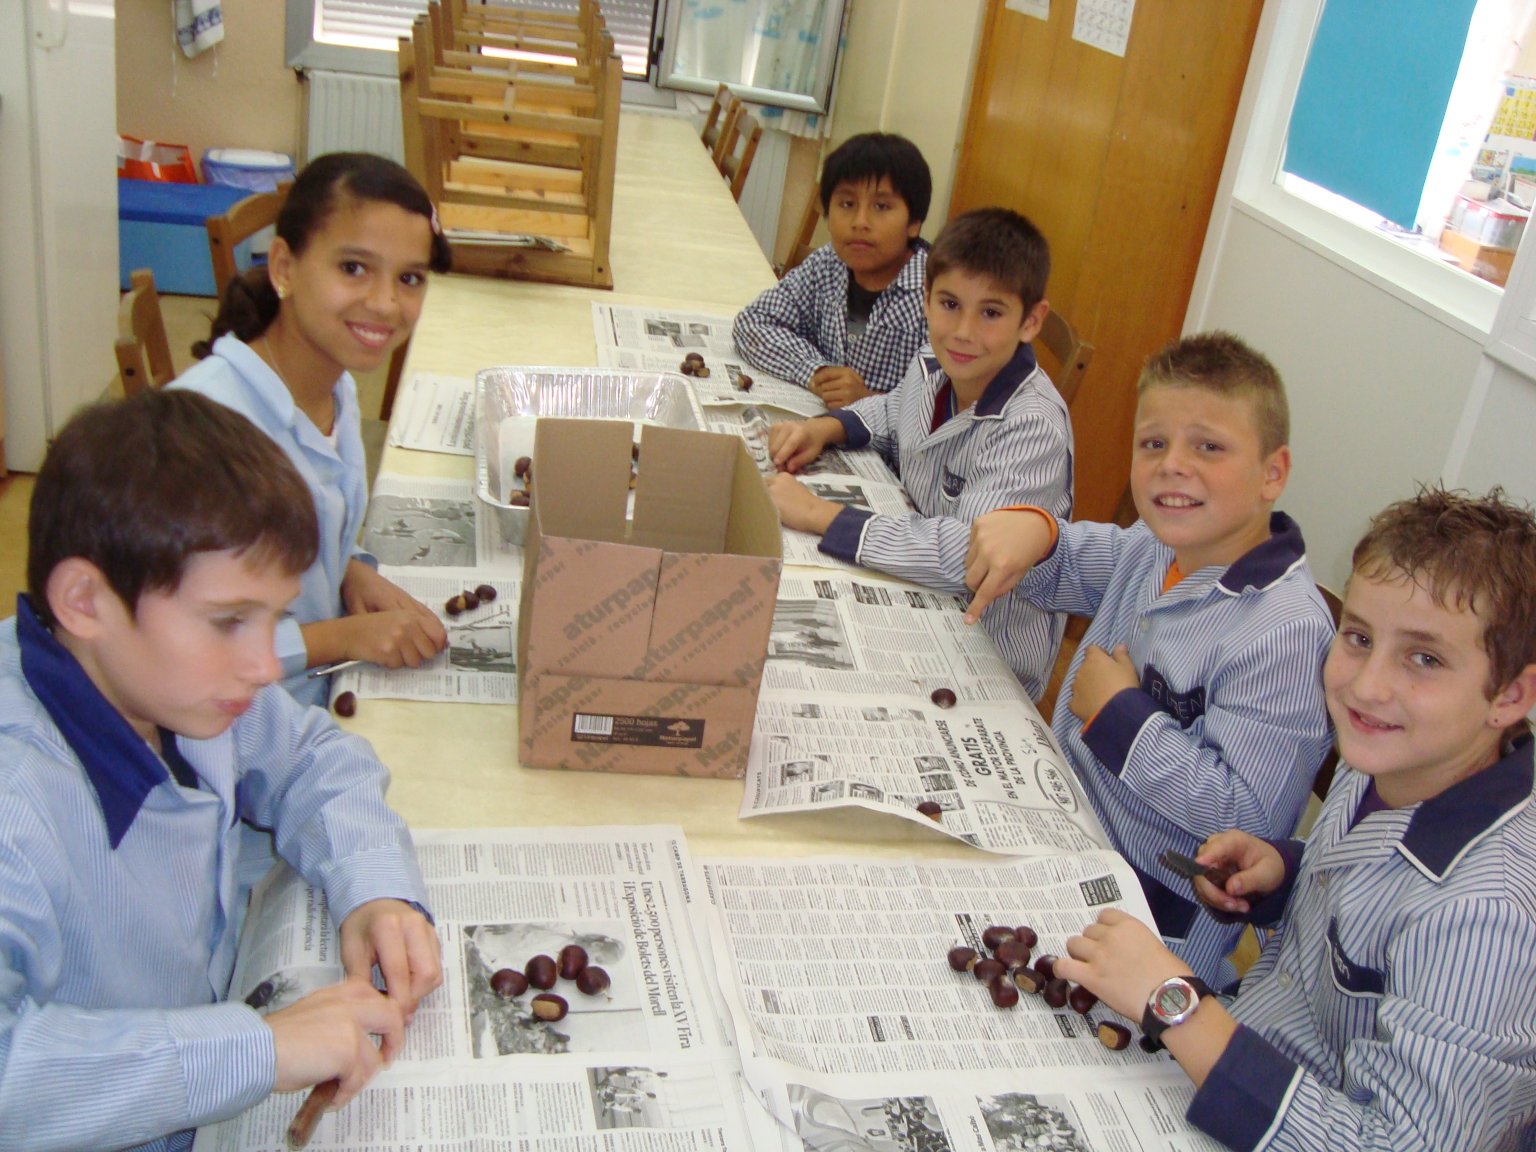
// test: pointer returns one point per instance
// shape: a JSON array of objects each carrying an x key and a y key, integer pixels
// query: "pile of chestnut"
[
  {"x": 1008, "y": 973},
  {"x": 542, "y": 971}
]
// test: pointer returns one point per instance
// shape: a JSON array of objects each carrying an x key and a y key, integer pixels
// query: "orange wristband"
[{"x": 1038, "y": 511}]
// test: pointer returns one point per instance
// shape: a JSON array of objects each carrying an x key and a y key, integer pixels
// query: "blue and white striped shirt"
[
  {"x": 1013, "y": 446},
  {"x": 801, "y": 323},
  {"x": 114, "y": 960},
  {"x": 1397, "y": 1008},
  {"x": 1228, "y": 726}
]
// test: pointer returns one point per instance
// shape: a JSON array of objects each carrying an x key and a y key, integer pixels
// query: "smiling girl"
[{"x": 343, "y": 286}]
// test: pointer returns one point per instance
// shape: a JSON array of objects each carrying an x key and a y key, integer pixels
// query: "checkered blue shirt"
[{"x": 801, "y": 323}]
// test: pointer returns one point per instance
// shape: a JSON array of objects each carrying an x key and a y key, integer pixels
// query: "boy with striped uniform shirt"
[
  {"x": 847, "y": 322},
  {"x": 1393, "y": 1009},
  {"x": 1193, "y": 703},
  {"x": 975, "y": 423}
]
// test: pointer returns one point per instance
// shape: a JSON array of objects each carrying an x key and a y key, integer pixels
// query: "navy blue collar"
[
  {"x": 1261, "y": 566},
  {"x": 1007, "y": 381},
  {"x": 1445, "y": 826},
  {"x": 121, "y": 766}
]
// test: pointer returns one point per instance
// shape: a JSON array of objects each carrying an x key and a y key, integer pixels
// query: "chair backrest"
[
  {"x": 714, "y": 119},
  {"x": 244, "y": 219},
  {"x": 143, "y": 352},
  {"x": 1324, "y": 778},
  {"x": 803, "y": 244},
  {"x": 1072, "y": 355},
  {"x": 736, "y": 159},
  {"x": 724, "y": 139}
]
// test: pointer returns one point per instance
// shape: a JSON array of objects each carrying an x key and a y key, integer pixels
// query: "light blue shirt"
[
  {"x": 1013, "y": 446},
  {"x": 235, "y": 376},
  {"x": 114, "y": 960}
]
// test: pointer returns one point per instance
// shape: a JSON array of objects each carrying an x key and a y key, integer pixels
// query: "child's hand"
[
  {"x": 1100, "y": 678},
  {"x": 799, "y": 507},
  {"x": 401, "y": 941},
  {"x": 328, "y": 1035},
  {"x": 364, "y": 590},
  {"x": 1260, "y": 870},
  {"x": 837, "y": 386},
  {"x": 400, "y": 637},
  {"x": 1005, "y": 545},
  {"x": 1120, "y": 960},
  {"x": 793, "y": 445}
]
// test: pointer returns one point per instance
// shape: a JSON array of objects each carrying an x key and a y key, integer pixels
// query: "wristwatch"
[{"x": 1172, "y": 1002}]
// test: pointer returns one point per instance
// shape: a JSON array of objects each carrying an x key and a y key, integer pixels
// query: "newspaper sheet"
[
  {"x": 856, "y": 1034},
  {"x": 651, "y": 339},
  {"x": 651, "y": 1058},
  {"x": 879, "y": 696},
  {"x": 433, "y": 522},
  {"x": 435, "y": 414},
  {"x": 479, "y": 666}
]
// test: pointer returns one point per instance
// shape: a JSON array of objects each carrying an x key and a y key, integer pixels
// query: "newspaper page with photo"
[
  {"x": 435, "y": 414},
  {"x": 856, "y": 1032},
  {"x": 435, "y": 522},
  {"x": 649, "y": 1053},
  {"x": 878, "y": 695}
]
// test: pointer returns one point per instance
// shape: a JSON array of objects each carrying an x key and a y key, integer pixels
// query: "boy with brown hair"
[
  {"x": 974, "y": 424},
  {"x": 1393, "y": 1009},
  {"x": 140, "y": 724},
  {"x": 1193, "y": 702}
]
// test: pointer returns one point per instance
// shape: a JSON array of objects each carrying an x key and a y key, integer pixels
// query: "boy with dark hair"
[
  {"x": 1393, "y": 1009},
  {"x": 1192, "y": 703},
  {"x": 848, "y": 320},
  {"x": 139, "y": 725},
  {"x": 974, "y": 424}
]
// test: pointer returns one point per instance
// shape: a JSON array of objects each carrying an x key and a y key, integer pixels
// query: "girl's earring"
[{"x": 282, "y": 293}]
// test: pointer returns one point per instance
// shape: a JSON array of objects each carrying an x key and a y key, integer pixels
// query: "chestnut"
[
  {"x": 701, "y": 370},
  {"x": 1028, "y": 935},
  {"x": 943, "y": 697},
  {"x": 988, "y": 969},
  {"x": 1028, "y": 980},
  {"x": 548, "y": 1006},
  {"x": 995, "y": 934},
  {"x": 523, "y": 467},
  {"x": 744, "y": 382},
  {"x": 486, "y": 592},
  {"x": 573, "y": 958},
  {"x": 1082, "y": 1000},
  {"x": 1055, "y": 992},
  {"x": 471, "y": 601},
  {"x": 961, "y": 958},
  {"x": 346, "y": 704},
  {"x": 1012, "y": 952},
  {"x": 541, "y": 971},
  {"x": 1114, "y": 1036},
  {"x": 1045, "y": 964},
  {"x": 931, "y": 809},
  {"x": 508, "y": 983},
  {"x": 1005, "y": 993},
  {"x": 455, "y": 605},
  {"x": 518, "y": 499},
  {"x": 592, "y": 980}
]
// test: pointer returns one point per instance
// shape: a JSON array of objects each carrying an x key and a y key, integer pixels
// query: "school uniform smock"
[
  {"x": 337, "y": 475},
  {"x": 1395, "y": 1010},
  {"x": 1013, "y": 446},
  {"x": 801, "y": 323},
  {"x": 1228, "y": 725},
  {"x": 118, "y": 896}
]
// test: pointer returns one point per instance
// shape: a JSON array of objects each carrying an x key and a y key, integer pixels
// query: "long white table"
[{"x": 678, "y": 238}]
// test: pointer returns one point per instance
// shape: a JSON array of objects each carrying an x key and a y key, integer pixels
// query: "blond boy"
[
  {"x": 1394, "y": 1007},
  {"x": 1193, "y": 703}
]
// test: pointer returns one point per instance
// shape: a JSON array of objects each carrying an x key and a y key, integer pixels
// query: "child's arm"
[
  {"x": 1003, "y": 547},
  {"x": 780, "y": 331},
  {"x": 329, "y": 1035}
]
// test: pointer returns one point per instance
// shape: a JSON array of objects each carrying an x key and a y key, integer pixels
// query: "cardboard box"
[{"x": 640, "y": 646}]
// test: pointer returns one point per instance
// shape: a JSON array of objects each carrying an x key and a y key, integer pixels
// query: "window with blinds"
[{"x": 378, "y": 24}]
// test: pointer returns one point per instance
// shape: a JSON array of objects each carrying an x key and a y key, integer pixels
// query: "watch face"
[{"x": 1173, "y": 999}]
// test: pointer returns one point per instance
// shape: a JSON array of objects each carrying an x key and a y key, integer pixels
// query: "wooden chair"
[
  {"x": 803, "y": 244},
  {"x": 714, "y": 119},
  {"x": 1071, "y": 354},
  {"x": 143, "y": 352},
  {"x": 1324, "y": 778},
  {"x": 244, "y": 219},
  {"x": 740, "y": 140}
]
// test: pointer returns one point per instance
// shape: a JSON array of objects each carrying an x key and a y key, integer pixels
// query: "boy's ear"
[
  {"x": 1034, "y": 320},
  {"x": 1513, "y": 702},
  {"x": 914, "y": 228},
  {"x": 1277, "y": 470},
  {"x": 75, "y": 591}
]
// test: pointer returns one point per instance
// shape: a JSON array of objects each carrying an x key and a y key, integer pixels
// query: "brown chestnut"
[
  {"x": 346, "y": 704},
  {"x": 1029, "y": 981},
  {"x": 486, "y": 592},
  {"x": 995, "y": 934},
  {"x": 744, "y": 382},
  {"x": 701, "y": 370},
  {"x": 1114, "y": 1036},
  {"x": 592, "y": 980},
  {"x": 1045, "y": 964},
  {"x": 1082, "y": 1000},
  {"x": 931, "y": 809},
  {"x": 471, "y": 601},
  {"x": 518, "y": 499},
  {"x": 541, "y": 971},
  {"x": 1005, "y": 993},
  {"x": 455, "y": 605},
  {"x": 573, "y": 958},
  {"x": 988, "y": 969},
  {"x": 943, "y": 697},
  {"x": 549, "y": 1006},
  {"x": 523, "y": 466},
  {"x": 508, "y": 983},
  {"x": 1055, "y": 992},
  {"x": 961, "y": 958},
  {"x": 1012, "y": 952},
  {"x": 1028, "y": 935}
]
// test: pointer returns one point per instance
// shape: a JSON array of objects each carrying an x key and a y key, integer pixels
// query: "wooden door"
[{"x": 1117, "y": 161}]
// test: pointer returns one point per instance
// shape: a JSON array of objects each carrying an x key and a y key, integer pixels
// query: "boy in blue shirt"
[
  {"x": 1393, "y": 1009},
  {"x": 974, "y": 424},
  {"x": 139, "y": 725},
  {"x": 848, "y": 320},
  {"x": 1193, "y": 702}
]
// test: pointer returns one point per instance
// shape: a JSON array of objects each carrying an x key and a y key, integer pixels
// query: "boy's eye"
[
  {"x": 1150, "y": 444},
  {"x": 1424, "y": 660},
  {"x": 1210, "y": 446},
  {"x": 353, "y": 267},
  {"x": 228, "y": 623},
  {"x": 1354, "y": 638},
  {"x": 413, "y": 279},
  {"x": 992, "y": 313}
]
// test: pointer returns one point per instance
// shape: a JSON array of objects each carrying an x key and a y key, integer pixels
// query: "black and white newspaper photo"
[{"x": 435, "y": 522}]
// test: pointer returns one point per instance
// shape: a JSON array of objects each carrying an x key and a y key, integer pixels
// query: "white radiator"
[
  {"x": 353, "y": 113},
  {"x": 763, "y": 192}
]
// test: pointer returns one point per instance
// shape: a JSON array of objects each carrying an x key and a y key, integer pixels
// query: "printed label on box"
[{"x": 652, "y": 731}]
